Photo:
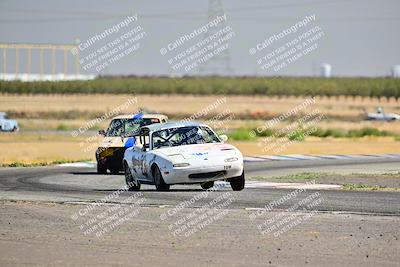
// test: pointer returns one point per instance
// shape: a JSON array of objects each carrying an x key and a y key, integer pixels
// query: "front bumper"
[{"x": 190, "y": 175}]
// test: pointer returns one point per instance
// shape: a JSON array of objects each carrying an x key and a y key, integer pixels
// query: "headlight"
[
  {"x": 176, "y": 158},
  {"x": 181, "y": 164},
  {"x": 231, "y": 159}
]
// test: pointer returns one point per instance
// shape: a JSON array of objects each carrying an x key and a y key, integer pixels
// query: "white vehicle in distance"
[
  {"x": 7, "y": 125},
  {"x": 380, "y": 115},
  {"x": 182, "y": 153}
]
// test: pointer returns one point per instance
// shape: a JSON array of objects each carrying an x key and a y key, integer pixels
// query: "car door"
[
  {"x": 137, "y": 161},
  {"x": 139, "y": 158}
]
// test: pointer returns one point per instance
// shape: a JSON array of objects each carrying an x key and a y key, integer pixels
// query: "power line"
[
  {"x": 68, "y": 19},
  {"x": 189, "y": 15}
]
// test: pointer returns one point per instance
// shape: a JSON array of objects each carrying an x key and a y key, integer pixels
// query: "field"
[
  {"x": 39, "y": 148},
  {"x": 257, "y": 106},
  {"x": 48, "y": 120},
  {"x": 49, "y": 111}
]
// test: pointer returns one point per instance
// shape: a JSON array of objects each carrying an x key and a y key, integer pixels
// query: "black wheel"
[
  {"x": 159, "y": 181},
  {"x": 207, "y": 185},
  {"x": 131, "y": 182},
  {"x": 237, "y": 183},
  {"x": 101, "y": 169}
]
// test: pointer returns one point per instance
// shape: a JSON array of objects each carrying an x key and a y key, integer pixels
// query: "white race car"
[{"x": 182, "y": 153}]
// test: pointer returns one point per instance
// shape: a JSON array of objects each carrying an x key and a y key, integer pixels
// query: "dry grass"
[
  {"x": 185, "y": 104},
  {"x": 367, "y": 145},
  {"x": 37, "y": 152},
  {"x": 34, "y": 148},
  {"x": 174, "y": 104},
  {"x": 54, "y": 124},
  {"x": 324, "y": 124}
]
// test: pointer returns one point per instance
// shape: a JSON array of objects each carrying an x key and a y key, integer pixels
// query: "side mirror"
[
  {"x": 102, "y": 132},
  {"x": 223, "y": 138}
]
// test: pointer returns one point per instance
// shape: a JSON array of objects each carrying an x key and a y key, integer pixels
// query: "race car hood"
[{"x": 196, "y": 151}]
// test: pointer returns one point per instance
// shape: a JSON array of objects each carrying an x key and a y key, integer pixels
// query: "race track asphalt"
[{"x": 83, "y": 184}]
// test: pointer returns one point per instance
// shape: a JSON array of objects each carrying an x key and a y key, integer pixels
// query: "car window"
[
  {"x": 209, "y": 135},
  {"x": 183, "y": 136},
  {"x": 128, "y": 127},
  {"x": 132, "y": 126},
  {"x": 116, "y": 128}
]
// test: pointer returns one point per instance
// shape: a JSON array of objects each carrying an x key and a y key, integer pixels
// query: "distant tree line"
[{"x": 267, "y": 86}]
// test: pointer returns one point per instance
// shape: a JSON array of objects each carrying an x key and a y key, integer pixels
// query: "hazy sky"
[{"x": 361, "y": 37}]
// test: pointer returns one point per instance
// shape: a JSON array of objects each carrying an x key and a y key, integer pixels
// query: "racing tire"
[
  {"x": 207, "y": 185},
  {"x": 237, "y": 183},
  {"x": 131, "y": 183},
  {"x": 101, "y": 169},
  {"x": 159, "y": 181}
]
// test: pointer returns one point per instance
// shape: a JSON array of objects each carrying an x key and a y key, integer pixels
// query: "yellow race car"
[{"x": 119, "y": 136}]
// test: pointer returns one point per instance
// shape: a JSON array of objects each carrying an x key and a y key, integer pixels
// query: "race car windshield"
[
  {"x": 128, "y": 127},
  {"x": 183, "y": 136}
]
